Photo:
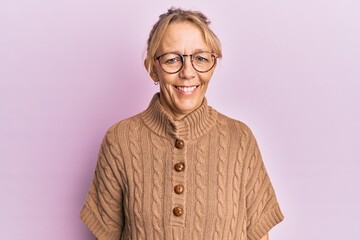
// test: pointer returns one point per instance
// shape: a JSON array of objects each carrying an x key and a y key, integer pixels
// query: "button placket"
[{"x": 178, "y": 182}]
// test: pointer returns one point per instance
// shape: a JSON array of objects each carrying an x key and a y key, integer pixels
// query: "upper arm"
[
  {"x": 102, "y": 212},
  {"x": 262, "y": 208}
]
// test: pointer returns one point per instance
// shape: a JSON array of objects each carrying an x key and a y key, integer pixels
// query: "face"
[{"x": 182, "y": 92}]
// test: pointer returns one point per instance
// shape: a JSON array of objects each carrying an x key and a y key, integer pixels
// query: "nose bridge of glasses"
[
  {"x": 191, "y": 56},
  {"x": 191, "y": 59},
  {"x": 183, "y": 58}
]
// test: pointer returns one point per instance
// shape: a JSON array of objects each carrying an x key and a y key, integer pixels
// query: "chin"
[{"x": 188, "y": 108}]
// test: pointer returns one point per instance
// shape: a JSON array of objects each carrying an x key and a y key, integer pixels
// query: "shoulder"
[
  {"x": 234, "y": 125},
  {"x": 123, "y": 126}
]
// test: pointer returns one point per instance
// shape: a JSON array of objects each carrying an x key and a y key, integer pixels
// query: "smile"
[{"x": 187, "y": 89}]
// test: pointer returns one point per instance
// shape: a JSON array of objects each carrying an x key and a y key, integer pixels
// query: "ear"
[
  {"x": 151, "y": 72},
  {"x": 154, "y": 77}
]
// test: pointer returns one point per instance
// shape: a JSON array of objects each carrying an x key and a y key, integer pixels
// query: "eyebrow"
[{"x": 193, "y": 52}]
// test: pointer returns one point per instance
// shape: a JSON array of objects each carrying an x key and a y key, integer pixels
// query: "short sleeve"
[
  {"x": 103, "y": 212},
  {"x": 263, "y": 211}
]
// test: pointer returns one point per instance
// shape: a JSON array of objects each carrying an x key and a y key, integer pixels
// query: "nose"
[{"x": 187, "y": 71}]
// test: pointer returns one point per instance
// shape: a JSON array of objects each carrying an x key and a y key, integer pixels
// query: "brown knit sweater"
[{"x": 198, "y": 178}]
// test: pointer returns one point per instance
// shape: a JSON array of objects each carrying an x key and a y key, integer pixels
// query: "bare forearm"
[{"x": 266, "y": 237}]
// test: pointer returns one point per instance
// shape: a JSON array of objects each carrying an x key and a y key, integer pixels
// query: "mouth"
[{"x": 186, "y": 89}]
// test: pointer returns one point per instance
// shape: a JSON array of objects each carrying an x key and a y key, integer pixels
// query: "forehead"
[{"x": 183, "y": 37}]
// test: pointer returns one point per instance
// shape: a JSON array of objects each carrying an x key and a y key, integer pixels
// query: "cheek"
[{"x": 205, "y": 79}]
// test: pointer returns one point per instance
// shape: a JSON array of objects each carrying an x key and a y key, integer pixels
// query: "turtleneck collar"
[{"x": 192, "y": 126}]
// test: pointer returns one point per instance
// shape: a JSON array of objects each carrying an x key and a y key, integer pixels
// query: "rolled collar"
[{"x": 192, "y": 126}]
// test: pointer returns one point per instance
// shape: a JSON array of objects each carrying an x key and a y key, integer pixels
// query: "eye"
[
  {"x": 202, "y": 57},
  {"x": 171, "y": 60}
]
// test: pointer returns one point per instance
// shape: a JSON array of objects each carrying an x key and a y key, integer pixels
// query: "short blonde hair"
[{"x": 179, "y": 15}]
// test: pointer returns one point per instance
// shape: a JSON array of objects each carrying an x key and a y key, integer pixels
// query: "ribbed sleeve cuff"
[
  {"x": 267, "y": 222},
  {"x": 94, "y": 225}
]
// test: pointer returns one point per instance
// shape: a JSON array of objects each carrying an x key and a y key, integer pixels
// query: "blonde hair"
[{"x": 179, "y": 15}]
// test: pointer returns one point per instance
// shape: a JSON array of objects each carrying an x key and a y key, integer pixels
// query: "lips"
[{"x": 186, "y": 89}]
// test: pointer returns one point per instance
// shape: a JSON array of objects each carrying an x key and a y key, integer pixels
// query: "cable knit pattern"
[
  {"x": 200, "y": 189},
  {"x": 136, "y": 166},
  {"x": 222, "y": 190},
  {"x": 236, "y": 193},
  {"x": 221, "y": 180},
  {"x": 157, "y": 192}
]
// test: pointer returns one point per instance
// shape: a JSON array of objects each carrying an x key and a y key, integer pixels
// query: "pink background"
[{"x": 70, "y": 69}]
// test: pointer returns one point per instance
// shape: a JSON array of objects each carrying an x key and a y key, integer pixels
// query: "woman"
[{"x": 180, "y": 169}]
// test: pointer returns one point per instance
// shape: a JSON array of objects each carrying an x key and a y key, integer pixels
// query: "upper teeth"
[{"x": 187, "y": 89}]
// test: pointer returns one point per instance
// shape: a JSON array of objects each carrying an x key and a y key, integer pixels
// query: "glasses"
[{"x": 173, "y": 62}]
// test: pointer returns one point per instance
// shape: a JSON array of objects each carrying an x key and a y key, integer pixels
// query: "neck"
[{"x": 174, "y": 115}]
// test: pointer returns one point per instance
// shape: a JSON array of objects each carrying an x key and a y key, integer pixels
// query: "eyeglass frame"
[{"x": 183, "y": 60}]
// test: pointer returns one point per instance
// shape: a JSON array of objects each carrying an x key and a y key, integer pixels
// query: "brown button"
[
  {"x": 179, "y": 189},
  {"x": 179, "y": 144},
  {"x": 178, "y": 211},
  {"x": 180, "y": 166}
]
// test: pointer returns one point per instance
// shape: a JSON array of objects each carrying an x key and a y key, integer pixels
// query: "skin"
[
  {"x": 266, "y": 237},
  {"x": 184, "y": 38}
]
